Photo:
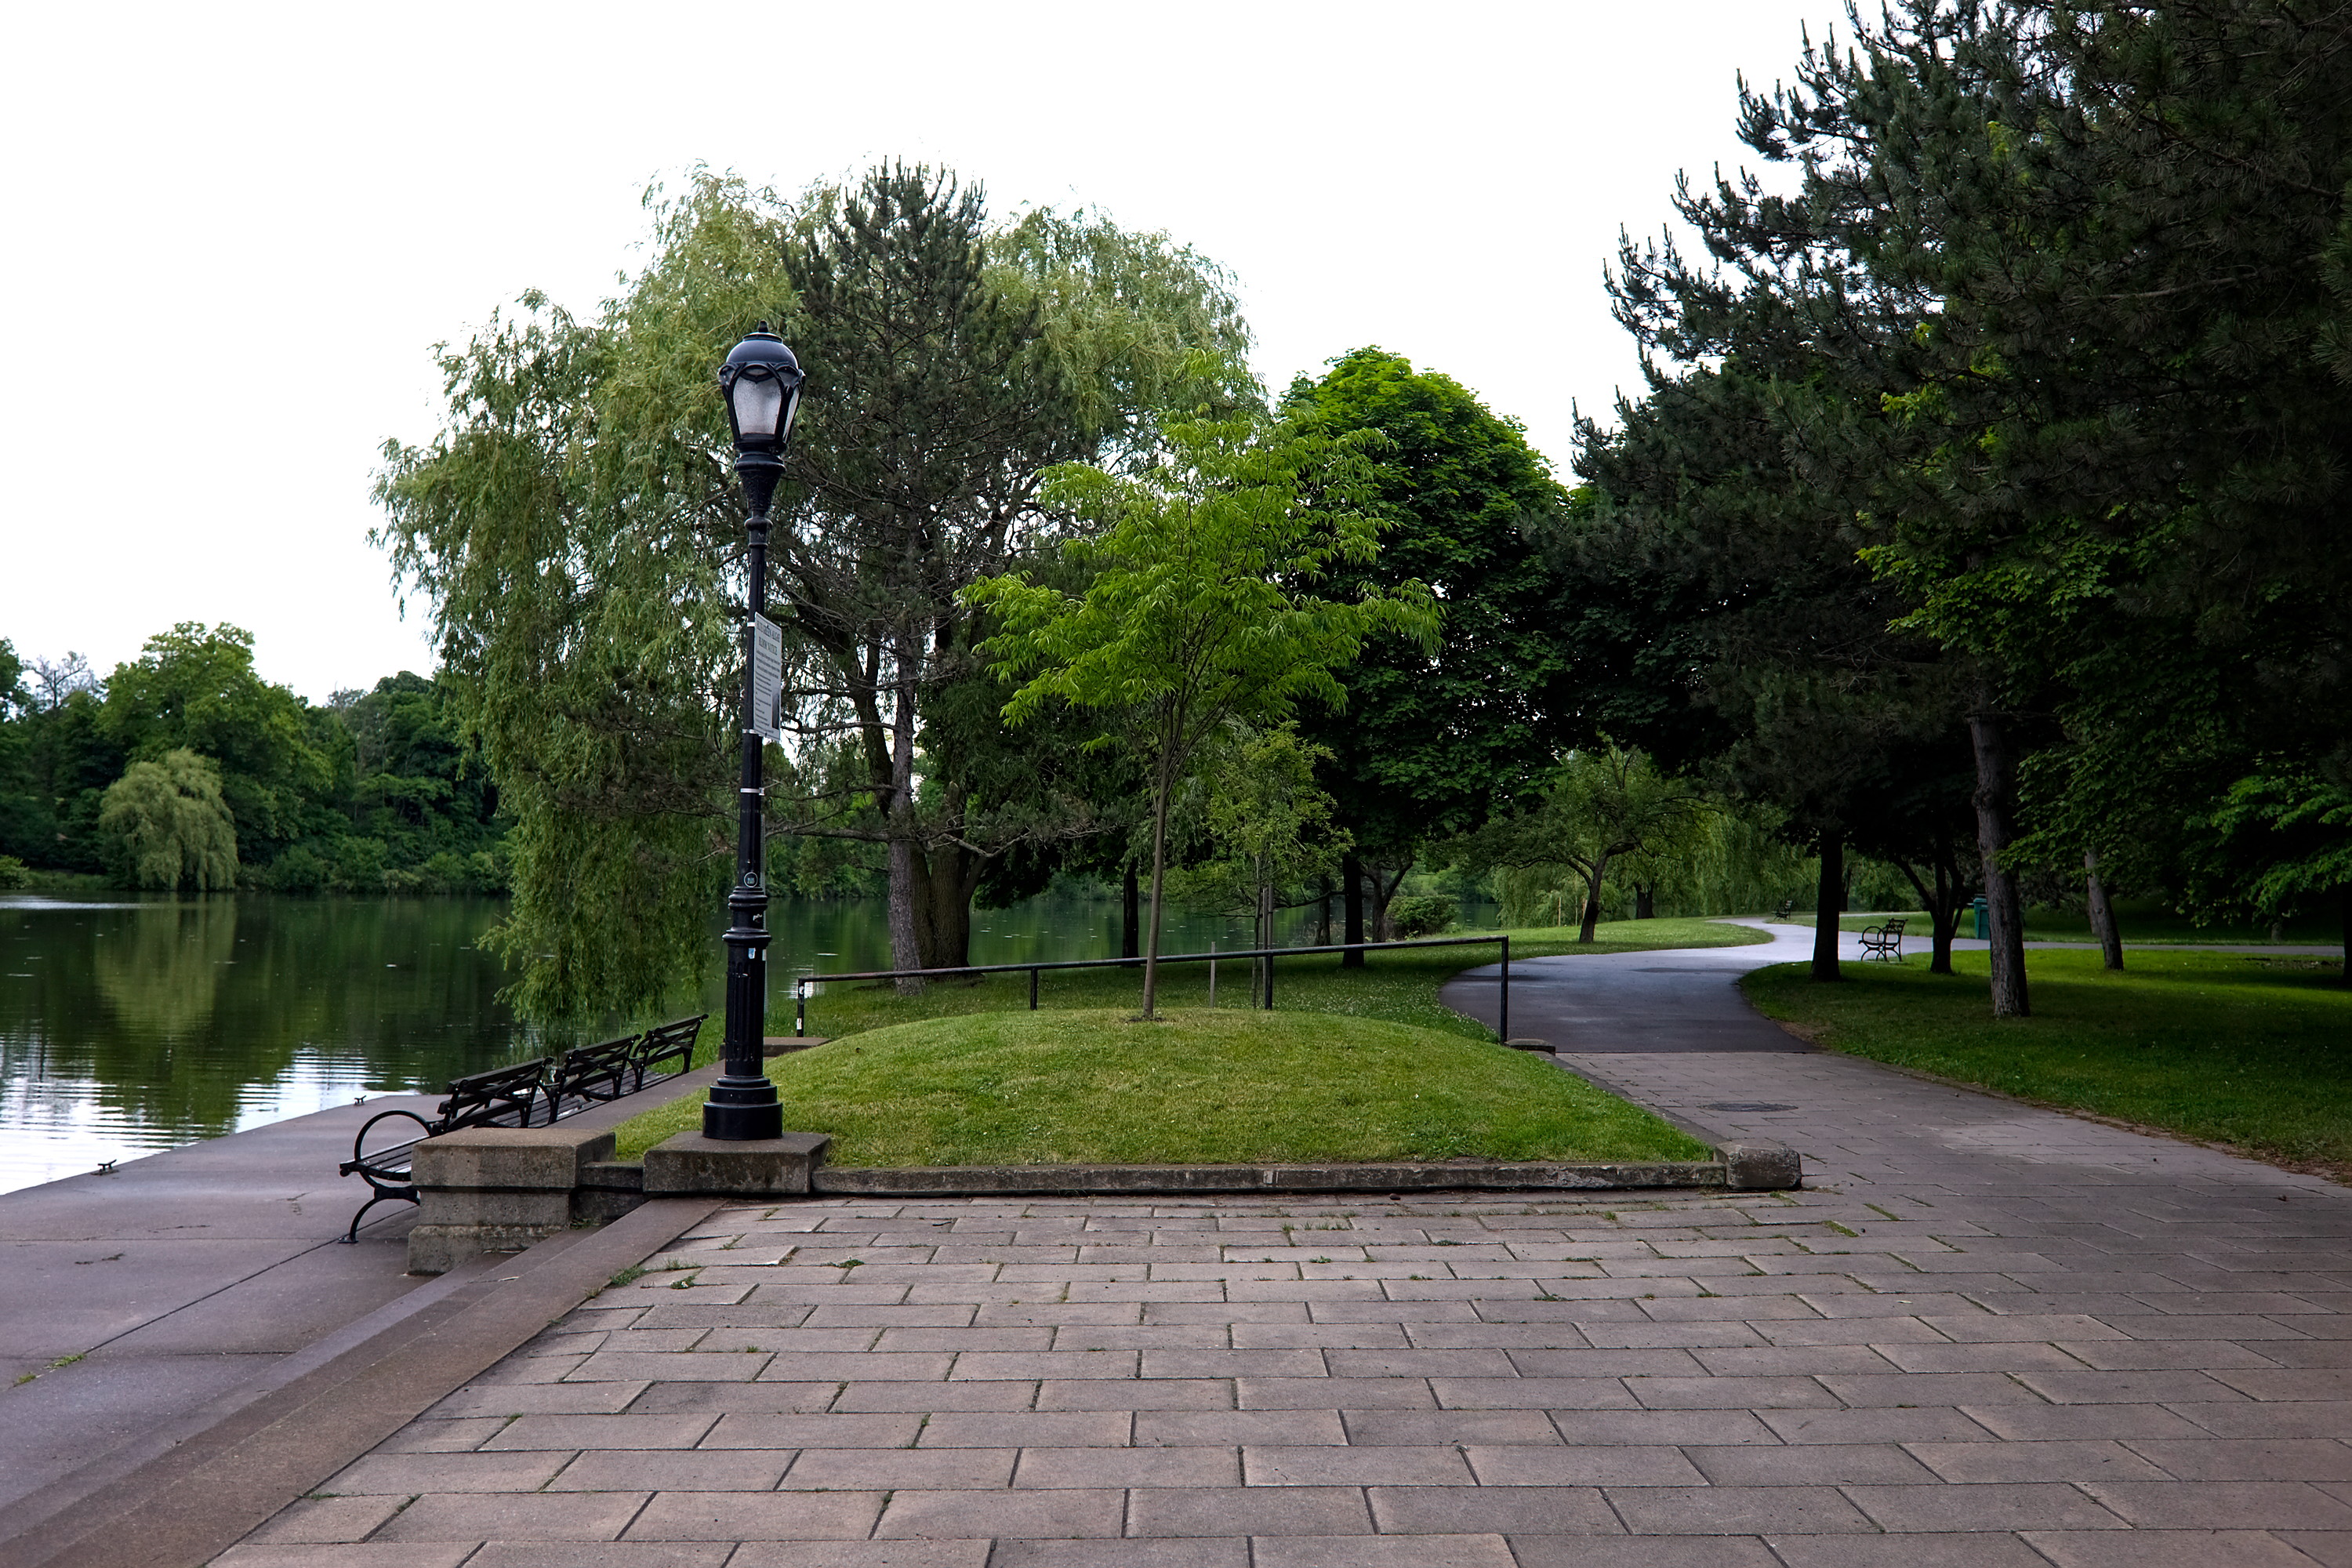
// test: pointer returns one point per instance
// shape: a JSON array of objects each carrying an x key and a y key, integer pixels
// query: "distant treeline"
[{"x": 184, "y": 769}]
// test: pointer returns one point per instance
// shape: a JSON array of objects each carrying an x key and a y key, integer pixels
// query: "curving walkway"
[{"x": 1983, "y": 1336}]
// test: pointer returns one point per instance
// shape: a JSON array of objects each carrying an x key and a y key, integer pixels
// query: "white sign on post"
[{"x": 767, "y": 679}]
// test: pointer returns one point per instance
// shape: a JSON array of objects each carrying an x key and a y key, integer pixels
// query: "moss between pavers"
[{"x": 1222, "y": 1087}]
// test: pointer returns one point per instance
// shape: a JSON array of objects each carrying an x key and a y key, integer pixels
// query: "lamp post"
[{"x": 762, "y": 384}]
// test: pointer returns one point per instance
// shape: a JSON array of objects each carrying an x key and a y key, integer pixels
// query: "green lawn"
[
  {"x": 1063, "y": 1086},
  {"x": 2142, "y": 924},
  {"x": 2248, "y": 1051},
  {"x": 1400, "y": 987}
]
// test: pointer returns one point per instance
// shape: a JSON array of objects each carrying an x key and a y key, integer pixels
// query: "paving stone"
[
  {"x": 1977, "y": 1549},
  {"x": 1135, "y": 1393},
  {"x": 952, "y": 1514},
  {"x": 887, "y": 1469},
  {"x": 761, "y": 1430},
  {"x": 600, "y": 1554},
  {"x": 1735, "y": 1510},
  {"x": 1256, "y": 1511},
  {"x": 2168, "y": 1549},
  {"x": 510, "y": 1516},
  {"x": 406, "y": 1474},
  {"x": 1232, "y": 1552},
  {"x": 640, "y": 1431},
  {"x": 1809, "y": 1463},
  {"x": 326, "y": 1521},
  {"x": 365, "y": 1555},
  {"x": 2224, "y": 1460},
  {"x": 2011, "y": 1505},
  {"x": 1230, "y": 1428},
  {"x": 1024, "y": 1428},
  {"x": 700, "y": 1470},
  {"x": 2058, "y": 1459},
  {"x": 1386, "y": 1551},
  {"x": 1533, "y": 1550},
  {"x": 755, "y": 1516},
  {"x": 1616, "y": 1464},
  {"x": 1189, "y": 1466},
  {"x": 2223, "y": 1505}
]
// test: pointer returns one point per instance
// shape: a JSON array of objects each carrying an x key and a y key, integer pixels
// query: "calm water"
[{"x": 131, "y": 1024}]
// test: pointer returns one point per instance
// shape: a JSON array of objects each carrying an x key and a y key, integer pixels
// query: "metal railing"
[{"x": 801, "y": 982}]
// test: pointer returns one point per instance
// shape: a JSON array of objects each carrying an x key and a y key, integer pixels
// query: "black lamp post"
[{"x": 761, "y": 382}]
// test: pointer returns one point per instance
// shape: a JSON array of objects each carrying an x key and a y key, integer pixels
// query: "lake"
[{"x": 130, "y": 1023}]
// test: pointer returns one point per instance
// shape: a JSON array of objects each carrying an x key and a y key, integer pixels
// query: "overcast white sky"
[{"x": 236, "y": 231}]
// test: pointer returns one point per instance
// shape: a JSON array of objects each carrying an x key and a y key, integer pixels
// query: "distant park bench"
[
  {"x": 1884, "y": 941},
  {"x": 1788, "y": 906},
  {"x": 527, "y": 1094}
]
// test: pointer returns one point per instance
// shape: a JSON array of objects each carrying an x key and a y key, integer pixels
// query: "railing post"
[
  {"x": 1033, "y": 991},
  {"x": 1269, "y": 980},
  {"x": 1213, "y": 975},
  {"x": 800, "y": 1007},
  {"x": 1503, "y": 1009}
]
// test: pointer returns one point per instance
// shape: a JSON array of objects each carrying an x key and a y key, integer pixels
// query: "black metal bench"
[
  {"x": 1884, "y": 941},
  {"x": 1787, "y": 907},
  {"x": 537, "y": 1092},
  {"x": 502, "y": 1097}
]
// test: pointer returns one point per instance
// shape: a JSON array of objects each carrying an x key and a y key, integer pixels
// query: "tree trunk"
[
  {"x": 1323, "y": 912},
  {"x": 906, "y": 941},
  {"x": 1351, "y": 880},
  {"x": 1130, "y": 923},
  {"x": 1264, "y": 969},
  {"x": 1829, "y": 900},
  {"x": 1944, "y": 920},
  {"x": 1645, "y": 904},
  {"x": 2346, "y": 895},
  {"x": 2103, "y": 912},
  {"x": 1995, "y": 782},
  {"x": 946, "y": 875},
  {"x": 1589, "y": 928},
  {"x": 1158, "y": 870}
]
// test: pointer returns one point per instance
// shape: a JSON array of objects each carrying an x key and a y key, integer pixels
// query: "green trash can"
[{"x": 1984, "y": 920}]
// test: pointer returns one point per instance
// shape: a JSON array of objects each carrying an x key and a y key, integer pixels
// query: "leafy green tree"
[
  {"x": 1195, "y": 616},
  {"x": 1434, "y": 738},
  {"x": 168, "y": 826},
  {"x": 575, "y": 530},
  {"x": 1604, "y": 804},
  {"x": 195, "y": 688}
]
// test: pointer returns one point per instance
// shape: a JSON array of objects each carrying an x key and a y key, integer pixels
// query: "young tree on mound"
[{"x": 1198, "y": 611}]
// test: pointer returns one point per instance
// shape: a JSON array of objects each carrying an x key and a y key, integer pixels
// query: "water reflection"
[{"x": 128, "y": 1025}]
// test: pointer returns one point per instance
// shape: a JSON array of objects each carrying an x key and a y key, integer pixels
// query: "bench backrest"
[
  {"x": 669, "y": 1042},
  {"x": 594, "y": 1073},
  {"x": 502, "y": 1097}
]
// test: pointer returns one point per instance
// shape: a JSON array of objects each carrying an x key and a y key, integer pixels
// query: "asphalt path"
[{"x": 1684, "y": 999}]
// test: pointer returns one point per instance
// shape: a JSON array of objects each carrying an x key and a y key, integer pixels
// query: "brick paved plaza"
[{"x": 1985, "y": 1335}]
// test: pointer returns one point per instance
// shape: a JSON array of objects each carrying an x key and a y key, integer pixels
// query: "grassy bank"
[
  {"x": 1203, "y": 1087},
  {"x": 2140, "y": 924},
  {"x": 1399, "y": 987},
  {"x": 2248, "y": 1051}
]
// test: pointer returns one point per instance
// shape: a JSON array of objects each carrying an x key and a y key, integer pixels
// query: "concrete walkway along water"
[{"x": 1983, "y": 1335}]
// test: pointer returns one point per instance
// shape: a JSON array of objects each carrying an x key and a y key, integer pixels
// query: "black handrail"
[{"x": 801, "y": 982}]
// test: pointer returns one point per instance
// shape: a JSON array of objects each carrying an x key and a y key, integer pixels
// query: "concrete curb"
[
  {"x": 1040, "y": 1180},
  {"x": 187, "y": 1506}
]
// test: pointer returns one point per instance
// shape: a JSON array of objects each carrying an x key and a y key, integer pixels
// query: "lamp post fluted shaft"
[
  {"x": 743, "y": 1104},
  {"x": 761, "y": 382}
]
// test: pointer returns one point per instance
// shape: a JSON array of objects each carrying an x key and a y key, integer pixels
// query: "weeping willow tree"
[
  {"x": 165, "y": 826},
  {"x": 574, "y": 531}
]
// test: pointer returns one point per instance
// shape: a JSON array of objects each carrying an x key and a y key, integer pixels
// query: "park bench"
[
  {"x": 1787, "y": 907},
  {"x": 1884, "y": 941},
  {"x": 540, "y": 1091}
]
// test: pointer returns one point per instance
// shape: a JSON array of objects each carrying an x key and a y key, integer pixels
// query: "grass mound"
[
  {"x": 2247, "y": 1051},
  {"x": 1202, "y": 1087}
]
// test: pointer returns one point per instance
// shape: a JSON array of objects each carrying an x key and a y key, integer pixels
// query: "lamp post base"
[{"x": 742, "y": 1109}]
